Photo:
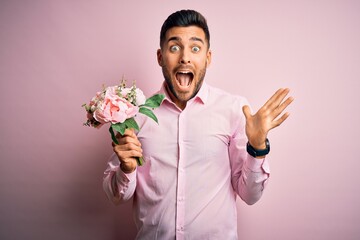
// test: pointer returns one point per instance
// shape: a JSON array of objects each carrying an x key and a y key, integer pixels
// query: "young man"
[{"x": 207, "y": 148}]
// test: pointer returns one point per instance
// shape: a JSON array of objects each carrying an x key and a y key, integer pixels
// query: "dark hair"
[{"x": 185, "y": 18}]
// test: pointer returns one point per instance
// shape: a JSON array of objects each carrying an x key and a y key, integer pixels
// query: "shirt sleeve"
[
  {"x": 118, "y": 186},
  {"x": 249, "y": 175}
]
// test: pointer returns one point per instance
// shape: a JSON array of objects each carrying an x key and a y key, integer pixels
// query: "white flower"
[{"x": 140, "y": 97}]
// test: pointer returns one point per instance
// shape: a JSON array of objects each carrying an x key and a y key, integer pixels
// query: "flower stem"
[
  {"x": 113, "y": 137},
  {"x": 140, "y": 161}
]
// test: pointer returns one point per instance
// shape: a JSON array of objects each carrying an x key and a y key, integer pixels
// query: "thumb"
[{"x": 246, "y": 111}]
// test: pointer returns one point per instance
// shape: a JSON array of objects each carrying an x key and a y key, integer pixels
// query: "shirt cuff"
[
  {"x": 122, "y": 177},
  {"x": 258, "y": 164}
]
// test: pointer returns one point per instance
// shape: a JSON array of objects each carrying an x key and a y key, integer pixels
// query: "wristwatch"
[{"x": 258, "y": 153}]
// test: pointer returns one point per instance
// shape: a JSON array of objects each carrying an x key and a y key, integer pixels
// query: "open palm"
[{"x": 266, "y": 118}]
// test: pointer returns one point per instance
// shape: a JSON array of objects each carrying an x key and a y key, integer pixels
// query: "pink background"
[{"x": 54, "y": 56}]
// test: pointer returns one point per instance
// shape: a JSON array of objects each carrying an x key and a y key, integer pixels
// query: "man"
[{"x": 206, "y": 149}]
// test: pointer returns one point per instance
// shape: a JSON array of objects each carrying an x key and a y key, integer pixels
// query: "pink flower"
[{"x": 114, "y": 108}]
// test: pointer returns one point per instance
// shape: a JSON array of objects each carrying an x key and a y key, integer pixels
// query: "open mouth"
[{"x": 184, "y": 78}]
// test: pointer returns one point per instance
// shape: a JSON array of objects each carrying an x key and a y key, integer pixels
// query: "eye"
[
  {"x": 174, "y": 48},
  {"x": 195, "y": 49}
]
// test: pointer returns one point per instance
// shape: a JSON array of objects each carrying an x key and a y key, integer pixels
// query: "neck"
[{"x": 180, "y": 104}]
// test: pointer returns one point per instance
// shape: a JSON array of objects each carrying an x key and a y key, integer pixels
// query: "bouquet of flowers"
[{"x": 118, "y": 105}]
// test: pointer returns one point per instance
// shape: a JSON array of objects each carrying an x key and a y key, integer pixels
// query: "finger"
[
  {"x": 280, "y": 120},
  {"x": 129, "y": 139},
  {"x": 277, "y": 98},
  {"x": 128, "y": 142},
  {"x": 128, "y": 157},
  {"x": 128, "y": 146},
  {"x": 246, "y": 111},
  {"x": 274, "y": 96},
  {"x": 282, "y": 107},
  {"x": 130, "y": 154},
  {"x": 129, "y": 132},
  {"x": 280, "y": 98},
  {"x": 128, "y": 151}
]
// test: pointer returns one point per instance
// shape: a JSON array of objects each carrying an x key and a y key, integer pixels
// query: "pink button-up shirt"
[{"x": 196, "y": 163}]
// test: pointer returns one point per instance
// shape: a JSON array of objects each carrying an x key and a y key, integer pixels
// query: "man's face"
[{"x": 184, "y": 58}]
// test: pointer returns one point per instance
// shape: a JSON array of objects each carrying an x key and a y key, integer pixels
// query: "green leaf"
[
  {"x": 148, "y": 113},
  {"x": 154, "y": 101},
  {"x": 119, "y": 127},
  {"x": 131, "y": 123}
]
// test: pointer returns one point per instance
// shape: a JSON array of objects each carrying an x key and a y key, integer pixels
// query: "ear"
[
  {"x": 208, "y": 58},
  {"x": 159, "y": 57}
]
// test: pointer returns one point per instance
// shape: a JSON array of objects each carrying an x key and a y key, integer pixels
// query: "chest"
[{"x": 198, "y": 134}]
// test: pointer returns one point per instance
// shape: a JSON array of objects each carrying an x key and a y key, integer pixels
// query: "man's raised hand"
[{"x": 267, "y": 117}]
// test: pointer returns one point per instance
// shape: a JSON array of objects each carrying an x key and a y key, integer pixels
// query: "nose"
[{"x": 185, "y": 57}]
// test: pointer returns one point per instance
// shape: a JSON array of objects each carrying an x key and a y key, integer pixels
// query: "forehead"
[{"x": 185, "y": 33}]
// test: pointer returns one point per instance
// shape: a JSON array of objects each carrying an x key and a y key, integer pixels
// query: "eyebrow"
[{"x": 191, "y": 39}]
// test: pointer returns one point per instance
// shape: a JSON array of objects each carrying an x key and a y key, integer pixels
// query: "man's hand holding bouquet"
[{"x": 118, "y": 105}]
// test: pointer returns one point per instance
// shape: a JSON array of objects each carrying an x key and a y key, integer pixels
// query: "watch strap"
[{"x": 256, "y": 152}]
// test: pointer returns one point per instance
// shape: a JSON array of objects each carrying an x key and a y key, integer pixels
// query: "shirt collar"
[{"x": 201, "y": 96}]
